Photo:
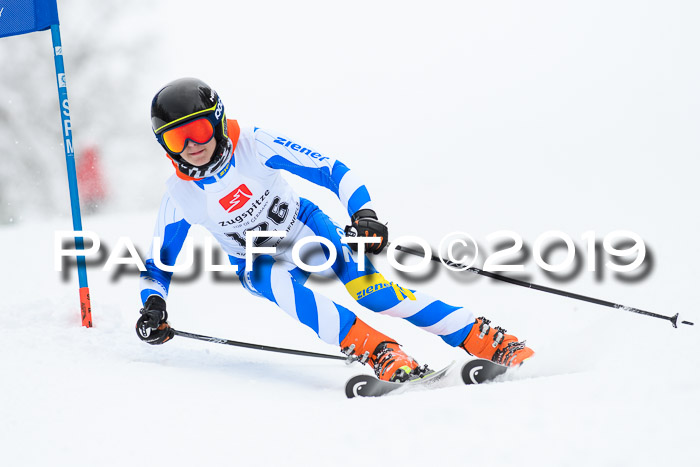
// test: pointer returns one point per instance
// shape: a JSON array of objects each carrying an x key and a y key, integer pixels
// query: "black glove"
[
  {"x": 152, "y": 326},
  {"x": 365, "y": 224}
]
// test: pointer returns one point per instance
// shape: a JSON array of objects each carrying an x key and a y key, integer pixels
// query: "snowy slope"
[
  {"x": 607, "y": 388},
  {"x": 459, "y": 116}
]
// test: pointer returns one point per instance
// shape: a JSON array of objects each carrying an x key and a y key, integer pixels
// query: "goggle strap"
[{"x": 175, "y": 122}]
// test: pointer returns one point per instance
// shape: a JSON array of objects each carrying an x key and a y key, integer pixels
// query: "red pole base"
[{"x": 85, "y": 309}]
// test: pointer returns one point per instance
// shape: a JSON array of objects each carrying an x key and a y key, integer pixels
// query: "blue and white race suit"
[{"x": 249, "y": 193}]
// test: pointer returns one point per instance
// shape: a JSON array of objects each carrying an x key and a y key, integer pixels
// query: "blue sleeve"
[
  {"x": 172, "y": 230},
  {"x": 279, "y": 152}
]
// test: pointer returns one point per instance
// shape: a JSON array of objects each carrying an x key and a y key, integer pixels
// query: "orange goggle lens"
[{"x": 199, "y": 131}]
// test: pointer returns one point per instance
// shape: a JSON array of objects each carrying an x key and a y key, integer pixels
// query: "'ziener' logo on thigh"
[{"x": 366, "y": 285}]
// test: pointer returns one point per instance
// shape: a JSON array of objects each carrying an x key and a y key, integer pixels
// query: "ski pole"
[
  {"x": 673, "y": 319},
  {"x": 216, "y": 340}
]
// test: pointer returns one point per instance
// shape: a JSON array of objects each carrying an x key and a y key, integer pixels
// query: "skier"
[{"x": 228, "y": 179}]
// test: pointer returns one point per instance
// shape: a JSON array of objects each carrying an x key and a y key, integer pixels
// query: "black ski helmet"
[{"x": 182, "y": 101}]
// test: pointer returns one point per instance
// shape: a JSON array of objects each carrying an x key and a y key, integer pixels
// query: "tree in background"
[{"x": 106, "y": 56}]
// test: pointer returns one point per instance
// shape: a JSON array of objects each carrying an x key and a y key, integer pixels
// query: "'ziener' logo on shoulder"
[
  {"x": 295, "y": 147},
  {"x": 236, "y": 199}
]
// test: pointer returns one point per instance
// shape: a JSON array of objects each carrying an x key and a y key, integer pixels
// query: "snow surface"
[{"x": 459, "y": 116}]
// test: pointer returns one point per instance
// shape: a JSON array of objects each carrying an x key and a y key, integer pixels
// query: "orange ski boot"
[
  {"x": 390, "y": 363},
  {"x": 494, "y": 344}
]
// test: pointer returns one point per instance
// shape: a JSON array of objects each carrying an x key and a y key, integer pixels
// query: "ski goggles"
[{"x": 199, "y": 131}]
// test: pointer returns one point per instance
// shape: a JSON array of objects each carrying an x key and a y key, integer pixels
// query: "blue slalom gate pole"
[
  {"x": 85, "y": 308},
  {"x": 26, "y": 16}
]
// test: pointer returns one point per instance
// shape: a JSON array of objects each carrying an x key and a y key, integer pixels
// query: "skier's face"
[{"x": 198, "y": 154}]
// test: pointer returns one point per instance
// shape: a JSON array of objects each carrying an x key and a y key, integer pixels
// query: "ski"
[
  {"x": 475, "y": 371},
  {"x": 479, "y": 371},
  {"x": 369, "y": 386}
]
